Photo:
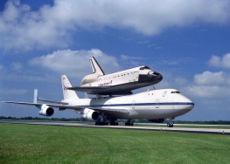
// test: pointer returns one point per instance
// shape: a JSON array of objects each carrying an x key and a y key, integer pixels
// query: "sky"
[{"x": 188, "y": 42}]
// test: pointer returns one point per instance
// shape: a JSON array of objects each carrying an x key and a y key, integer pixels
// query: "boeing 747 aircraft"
[
  {"x": 151, "y": 105},
  {"x": 122, "y": 82}
]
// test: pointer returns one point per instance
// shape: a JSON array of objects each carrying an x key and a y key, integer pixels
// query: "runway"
[{"x": 151, "y": 128}]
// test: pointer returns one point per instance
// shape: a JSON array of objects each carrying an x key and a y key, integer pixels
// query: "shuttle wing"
[{"x": 103, "y": 90}]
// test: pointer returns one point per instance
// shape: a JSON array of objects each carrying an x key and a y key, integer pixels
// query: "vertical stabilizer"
[
  {"x": 95, "y": 66},
  {"x": 68, "y": 94}
]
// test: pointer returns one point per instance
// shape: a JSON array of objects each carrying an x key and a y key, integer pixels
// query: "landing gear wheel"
[
  {"x": 101, "y": 123},
  {"x": 105, "y": 123},
  {"x": 113, "y": 123},
  {"x": 170, "y": 124},
  {"x": 101, "y": 120},
  {"x": 129, "y": 123}
]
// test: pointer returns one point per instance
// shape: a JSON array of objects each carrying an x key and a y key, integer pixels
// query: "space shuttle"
[{"x": 118, "y": 83}]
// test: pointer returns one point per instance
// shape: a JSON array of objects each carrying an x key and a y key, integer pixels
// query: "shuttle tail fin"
[
  {"x": 68, "y": 95},
  {"x": 95, "y": 66}
]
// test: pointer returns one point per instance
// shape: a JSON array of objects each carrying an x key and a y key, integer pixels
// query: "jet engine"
[
  {"x": 157, "y": 120},
  {"x": 46, "y": 110},
  {"x": 90, "y": 114}
]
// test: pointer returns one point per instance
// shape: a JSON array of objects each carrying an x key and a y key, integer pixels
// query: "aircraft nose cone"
[
  {"x": 191, "y": 106},
  {"x": 187, "y": 107},
  {"x": 188, "y": 104}
]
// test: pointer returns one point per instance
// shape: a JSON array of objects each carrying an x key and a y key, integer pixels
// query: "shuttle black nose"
[
  {"x": 151, "y": 78},
  {"x": 157, "y": 77}
]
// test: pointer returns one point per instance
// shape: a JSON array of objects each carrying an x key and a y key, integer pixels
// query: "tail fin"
[
  {"x": 95, "y": 66},
  {"x": 68, "y": 94}
]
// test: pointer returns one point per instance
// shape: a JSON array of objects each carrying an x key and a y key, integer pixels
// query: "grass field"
[{"x": 54, "y": 144}]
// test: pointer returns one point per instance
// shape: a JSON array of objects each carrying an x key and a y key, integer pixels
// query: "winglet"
[
  {"x": 95, "y": 66},
  {"x": 35, "y": 96}
]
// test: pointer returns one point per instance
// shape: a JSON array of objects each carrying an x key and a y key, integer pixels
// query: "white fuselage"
[{"x": 154, "y": 104}]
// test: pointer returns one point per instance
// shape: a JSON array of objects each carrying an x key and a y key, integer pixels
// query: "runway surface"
[
  {"x": 153, "y": 128},
  {"x": 195, "y": 125}
]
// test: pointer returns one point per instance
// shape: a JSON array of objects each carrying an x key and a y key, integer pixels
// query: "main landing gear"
[
  {"x": 113, "y": 123},
  {"x": 102, "y": 120},
  {"x": 106, "y": 123},
  {"x": 170, "y": 123},
  {"x": 129, "y": 123}
]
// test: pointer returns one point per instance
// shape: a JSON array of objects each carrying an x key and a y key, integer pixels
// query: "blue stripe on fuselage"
[{"x": 139, "y": 104}]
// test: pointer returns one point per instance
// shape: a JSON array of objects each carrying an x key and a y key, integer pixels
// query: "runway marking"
[{"x": 167, "y": 129}]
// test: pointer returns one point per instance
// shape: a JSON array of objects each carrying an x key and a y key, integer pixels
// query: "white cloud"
[
  {"x": 51, "y": 26},
  {"x": 209, "y": 78},
  {"x": 22, "y": 28},
  {"x": 126, "y": 57},
  {"x": 75, "y": 62},
  {"x": 217, "y": 61},
  {"x": 206, "y": 91},
  {"x": 209, "y": 84},
  {"x": 212, "y": 84}
]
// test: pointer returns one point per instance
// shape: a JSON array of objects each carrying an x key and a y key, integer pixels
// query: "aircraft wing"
[
  {"x": 103, "y": 90},
  {"x": 61, "y": 106}
]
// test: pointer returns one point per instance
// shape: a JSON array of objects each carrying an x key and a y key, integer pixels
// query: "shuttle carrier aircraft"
[
  {"x": 151, "y": 105},
  {"x": 120, "y": 83}
]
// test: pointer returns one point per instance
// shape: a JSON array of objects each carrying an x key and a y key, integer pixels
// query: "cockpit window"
[
  {"x": 175, "y": 92},
  {"x": 144, "y": 67}
]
